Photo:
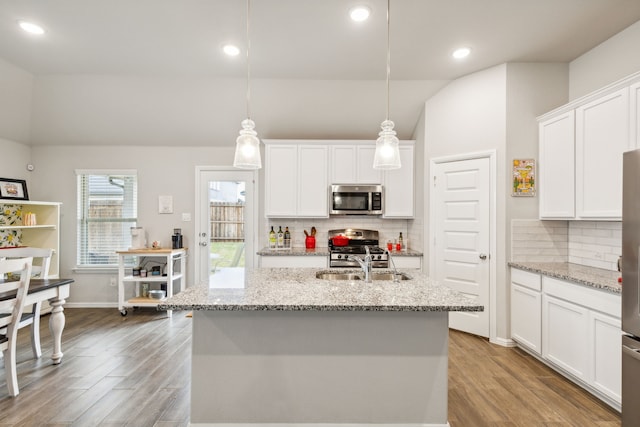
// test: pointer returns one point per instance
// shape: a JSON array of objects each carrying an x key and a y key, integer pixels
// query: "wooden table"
[{"x": 55, "y": 291}]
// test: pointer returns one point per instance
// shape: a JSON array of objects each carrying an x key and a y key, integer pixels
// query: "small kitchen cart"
[{"x": 126, "y": 277}]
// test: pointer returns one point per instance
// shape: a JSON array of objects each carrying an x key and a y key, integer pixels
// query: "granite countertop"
[
  {"x": 298, "y": 289},
  {"x": 590, "y": 276},
  {"x": 322, "y": 252}
]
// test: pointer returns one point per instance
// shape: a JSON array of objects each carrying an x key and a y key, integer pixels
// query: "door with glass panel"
[{"x": 225, "y": 226}]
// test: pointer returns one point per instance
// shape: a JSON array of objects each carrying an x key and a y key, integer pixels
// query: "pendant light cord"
[
  {"x": 248, "y": 63},
  {"x": 388, "y": 54}
]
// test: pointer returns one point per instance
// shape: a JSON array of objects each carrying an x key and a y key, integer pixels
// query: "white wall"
[
  {"x": 173, "y": 111},
  {"x": 532, "y": 89},
  {"x": 495, "y": 109},
  {"x": 469, "y": 115},
  {"x": 15, "y": 102},
  {"x": 610, "y": 61},
  {"x": 15, "y": 157},
  {"x": 161, "y": 171}
]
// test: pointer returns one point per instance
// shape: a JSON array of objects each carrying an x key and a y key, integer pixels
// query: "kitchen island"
[{"x": 289, "y": 348}]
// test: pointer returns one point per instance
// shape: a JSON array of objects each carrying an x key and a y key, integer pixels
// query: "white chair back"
[
  {"x": 10, "y": 314},
  {"x": 41, "y": 258},
  {"x": 11, "y": 309}
]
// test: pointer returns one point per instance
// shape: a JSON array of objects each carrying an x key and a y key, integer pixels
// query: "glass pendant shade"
[
  {"x": 247, "y": 147},
  {"x": 387, "y": 155}
]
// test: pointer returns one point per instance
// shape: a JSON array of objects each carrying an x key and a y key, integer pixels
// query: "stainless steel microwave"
[{"x": 355, "y": 199}]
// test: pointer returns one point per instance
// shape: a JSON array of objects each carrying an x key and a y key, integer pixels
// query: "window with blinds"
[{"x": 107, "y": 209}]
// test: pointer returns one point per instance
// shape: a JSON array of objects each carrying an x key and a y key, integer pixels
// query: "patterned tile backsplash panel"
[
  {"x": 10, "y": 215},
  {"x": 591, "y": 243}
]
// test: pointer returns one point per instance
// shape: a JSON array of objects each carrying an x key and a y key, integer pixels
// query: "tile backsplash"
[
  {"x": 389, "y": 229},
  {"x": 595, "y": 243},
  {"x": 591, "y": 243}
]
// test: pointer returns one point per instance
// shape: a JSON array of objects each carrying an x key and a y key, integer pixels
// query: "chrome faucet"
[
  {"x": 365, "y": 264},
  {"x": 395, "y": 270}
]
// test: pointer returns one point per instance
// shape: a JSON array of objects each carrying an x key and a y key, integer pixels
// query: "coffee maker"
[{"x": 176, "y": 239}]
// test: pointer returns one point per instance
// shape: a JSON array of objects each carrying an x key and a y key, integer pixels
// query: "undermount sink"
[{"x": 359, "y": 276}]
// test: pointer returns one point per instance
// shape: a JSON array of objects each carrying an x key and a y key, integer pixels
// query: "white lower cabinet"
[
  {"x": 576, "y": 329},
  {"x": 526, "y": 310},
  {"x": 606, "y": 350},
  {"x": 565, "y": 341},
  {"x": 408, "y": 262}
]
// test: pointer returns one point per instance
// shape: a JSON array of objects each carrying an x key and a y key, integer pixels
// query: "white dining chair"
[
  {"x": 10, "y": 312},
  {"x": 42, "y": 263}
]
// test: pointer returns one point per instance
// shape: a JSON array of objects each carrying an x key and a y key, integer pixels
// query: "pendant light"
[
  {"x": 247, "y": 144},
  {"x": 387, "y": 155}
]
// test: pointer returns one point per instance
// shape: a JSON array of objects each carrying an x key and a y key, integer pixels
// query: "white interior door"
[
  {"x": 461, "y": 198},
  {"x": 225, "y": 225}
]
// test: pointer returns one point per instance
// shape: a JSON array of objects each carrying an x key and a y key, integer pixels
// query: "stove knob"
[{"x": 339, "y": 256}]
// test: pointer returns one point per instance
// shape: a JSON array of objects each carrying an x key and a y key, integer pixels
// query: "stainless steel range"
[{"x": 353, "y": 242}]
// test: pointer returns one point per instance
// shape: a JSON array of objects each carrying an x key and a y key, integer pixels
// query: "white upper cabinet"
[
  {"x": 399, "y": 186},
  {"x": 581, "y": 146},
  {"x": 602, "y": 135},
  {"x": 296, "y": 180},
  {"x": 353, "y": 164},
  {"x": 556, "y": 175},
  {"x": 298, "y": 175},
  {"x": 366, "y": 174}
]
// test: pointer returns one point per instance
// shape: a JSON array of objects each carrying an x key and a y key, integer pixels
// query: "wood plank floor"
[{"x": 134, "y": 371}]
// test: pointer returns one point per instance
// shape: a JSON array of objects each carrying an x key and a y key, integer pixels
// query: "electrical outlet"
[
  {"x": 186, "y": 216},
  {"x": 113, "y": 281}
]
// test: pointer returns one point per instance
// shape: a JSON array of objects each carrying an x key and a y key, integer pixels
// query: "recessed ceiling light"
[
  {"x": 360, "y": 13},
  {"x": 31, "y": 28},
  {"x": 460, "y": 53},
  {"x": 231, "y": 50}
]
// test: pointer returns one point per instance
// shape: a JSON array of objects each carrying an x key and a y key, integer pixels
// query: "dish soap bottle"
[
  {"x": 272, "y": 239},
  {"x": 280, "y": 237}
]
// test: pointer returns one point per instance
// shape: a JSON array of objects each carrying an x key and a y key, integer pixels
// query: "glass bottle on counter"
[
  {"x": 400, "y": 242},
  {"x": 287, "y": 238},
  {"x": 272, "y": 239},
  {"x": 280, "y": 237}
]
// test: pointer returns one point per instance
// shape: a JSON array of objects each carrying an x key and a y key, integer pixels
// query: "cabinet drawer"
[
  {"x": 591, "y": 298},
  {"x": 526, "y": 279}
]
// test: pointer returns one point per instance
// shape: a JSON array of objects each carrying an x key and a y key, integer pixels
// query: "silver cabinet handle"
[{"x": 483, "y": 256}]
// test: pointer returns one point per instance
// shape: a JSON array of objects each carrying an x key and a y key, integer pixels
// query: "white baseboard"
[{"x": 505, "y": 342}]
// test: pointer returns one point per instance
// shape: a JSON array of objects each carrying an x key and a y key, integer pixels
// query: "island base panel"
[{"x": 318, "y": 367}]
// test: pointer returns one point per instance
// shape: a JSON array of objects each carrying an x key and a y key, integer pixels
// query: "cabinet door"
[
  {"x": 399, "y": 187},
  {"x": 365, "y": 173},
  {"x": 280, "y": 180},
  {"x": 602, "y": 135},
  {"x": 634, "y": 102},
  {"x": 565, "y": 341},
  {"x": 556, "y": 173},
  {"x": 526, "y": 317},
  {"x": 606, "y": 351},
  {"x": 313, "y": 188},
  {"x": 343, "y": 164}
]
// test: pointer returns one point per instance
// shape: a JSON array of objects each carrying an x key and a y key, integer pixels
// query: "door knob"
[
  {"x": 203, "y": 243},
  {"x": 483, "y": 256}
]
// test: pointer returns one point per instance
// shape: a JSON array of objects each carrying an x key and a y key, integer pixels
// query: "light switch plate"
[{"x": 186, "y": 216}]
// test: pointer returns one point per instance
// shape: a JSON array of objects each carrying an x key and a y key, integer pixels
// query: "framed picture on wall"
[
  {"x": 13, "y": 189},
  {"x": 524, "y": 178}
]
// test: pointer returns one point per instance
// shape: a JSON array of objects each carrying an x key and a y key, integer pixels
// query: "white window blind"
[{"x": 107, "y": 209}]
